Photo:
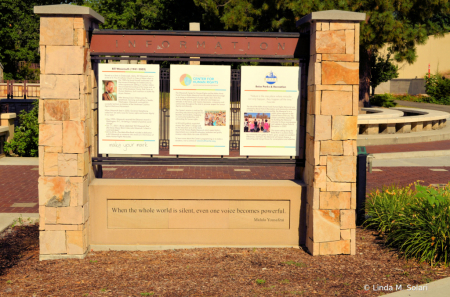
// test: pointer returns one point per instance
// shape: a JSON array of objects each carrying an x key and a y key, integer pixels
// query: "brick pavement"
[
  {"x": 19, "y": 184},
  {"x": 410, "y": 147},
  {"x": 403, "y": 176},
  {"x": 201, "y": 172}
]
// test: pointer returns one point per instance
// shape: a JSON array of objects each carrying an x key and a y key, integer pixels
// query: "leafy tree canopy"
[
  {"x": 402, "y": 24},
  {"x": 19, "y": 33},
  {"x": 147, "y": 14}
]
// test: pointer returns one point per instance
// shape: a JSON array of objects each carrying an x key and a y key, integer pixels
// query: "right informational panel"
[{"x": 270, "y": 110}]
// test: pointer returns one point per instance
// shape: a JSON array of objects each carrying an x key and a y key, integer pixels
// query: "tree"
[
  {"x": 400, "y": 23},
  {"x": 146, "y": 14},
  {"x": 19, "y": 33},
  {"x": 382, "y": 70}
]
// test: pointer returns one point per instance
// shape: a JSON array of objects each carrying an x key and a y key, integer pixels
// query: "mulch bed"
[{"x": 206, "y": 272}]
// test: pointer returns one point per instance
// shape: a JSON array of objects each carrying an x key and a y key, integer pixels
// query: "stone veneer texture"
[
  {"x": 67, "y": 129},
  {"x": 331, "y": 131}
]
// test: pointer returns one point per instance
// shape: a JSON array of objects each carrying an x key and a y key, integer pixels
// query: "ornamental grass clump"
[{"x": 417, "y": 222}]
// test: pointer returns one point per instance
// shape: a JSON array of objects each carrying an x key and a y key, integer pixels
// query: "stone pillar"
[
  {"x": 331, "y": 131},
  {"x": 67, "y": 125}
]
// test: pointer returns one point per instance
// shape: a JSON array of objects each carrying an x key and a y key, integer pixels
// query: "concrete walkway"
[
  {"x": 19, "y": 161},
  {"x": 7, "y": 219},
  {"x": 439, "y": 107},
  {"x": 440, "y": 288},
  {"x": 438, "y": 161}
]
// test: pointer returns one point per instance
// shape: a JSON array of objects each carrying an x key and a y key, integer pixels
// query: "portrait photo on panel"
[{"x": 110, "y": 90}]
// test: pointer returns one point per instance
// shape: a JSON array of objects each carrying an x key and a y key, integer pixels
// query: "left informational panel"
[
  {"x": 128, "y": 102},
  {"x": 199, "y": 109}
]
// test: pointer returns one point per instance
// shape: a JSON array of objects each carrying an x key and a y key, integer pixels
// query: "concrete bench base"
[{"x": 392, "y": 121}]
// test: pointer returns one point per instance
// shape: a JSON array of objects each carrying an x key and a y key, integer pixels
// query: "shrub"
[
  {"x": 438, "y": 87},
  {"x": 421, "y": 98},
  {"x": 416, "y": 221},
  {"x": 384, "y": 100},
  {"x": 414, "y": 98},
  {"x": 26, "y": 135}
]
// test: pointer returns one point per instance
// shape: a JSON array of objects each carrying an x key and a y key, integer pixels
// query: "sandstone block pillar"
[
  {"x": 66, "y": 129},
  {"x": 332, "y": 110}
]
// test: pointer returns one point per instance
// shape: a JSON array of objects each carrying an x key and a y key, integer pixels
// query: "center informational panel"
[
  {"x": 270, "y": 113},
  {"x": 199, "y": 109},
  {"x": 198, "y": 214},
  {"x": 128, "y": 102}
]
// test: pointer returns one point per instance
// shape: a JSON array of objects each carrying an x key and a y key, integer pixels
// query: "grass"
[
  {"x": 298, "y": 264},
  {"x": 407, "y": 106}
]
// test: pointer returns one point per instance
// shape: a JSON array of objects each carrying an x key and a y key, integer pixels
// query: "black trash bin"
[{"x": 361, "y": 163}]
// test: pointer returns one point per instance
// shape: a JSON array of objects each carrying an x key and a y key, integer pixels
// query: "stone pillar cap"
[
  {"x": 68, "y": 9},
  {"x": 332, "y": 15},
  {"x": 7, "y": 116}
]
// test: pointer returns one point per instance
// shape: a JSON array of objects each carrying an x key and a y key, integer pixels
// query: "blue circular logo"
[{"x": 270, "y": 78}]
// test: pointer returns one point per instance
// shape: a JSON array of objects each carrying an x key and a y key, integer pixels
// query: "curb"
[
  {"x": 7, "y": 219},
  {"x": 417, "y": 154}
]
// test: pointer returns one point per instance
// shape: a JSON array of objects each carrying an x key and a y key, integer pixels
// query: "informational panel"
[
  {"x": 199, "y": 109},
  {"x": 198, "y": 214},
  {"x": 128, "y": 101},
  {"x": 270, "y": 110}
]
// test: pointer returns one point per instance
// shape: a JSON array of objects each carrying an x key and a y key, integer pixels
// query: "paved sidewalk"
[
  {"x": 19, "y": 161},
  {"x": 19, "y": 189},
  {"x": 410, "y": 147},
  {"x": 439, "y": 288},
  {"x": 19, "y": 182},
  {"x": 403, "y": 176},
  {"x": 439, "y": 107},
  {"x": 442, "y": 161},
  {"x": 7, "y": 219}
]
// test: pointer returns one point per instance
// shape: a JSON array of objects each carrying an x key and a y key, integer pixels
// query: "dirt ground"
[{"x": 208, "y": 272}]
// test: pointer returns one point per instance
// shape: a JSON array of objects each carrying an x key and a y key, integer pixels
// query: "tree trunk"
[{"x": 364, "y": 77}]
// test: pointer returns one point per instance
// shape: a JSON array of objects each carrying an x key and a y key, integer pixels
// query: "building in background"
[{"x": 410, "y": 79}]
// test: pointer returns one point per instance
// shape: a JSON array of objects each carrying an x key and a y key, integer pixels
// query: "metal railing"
[{"x": 27, "y": 89}]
